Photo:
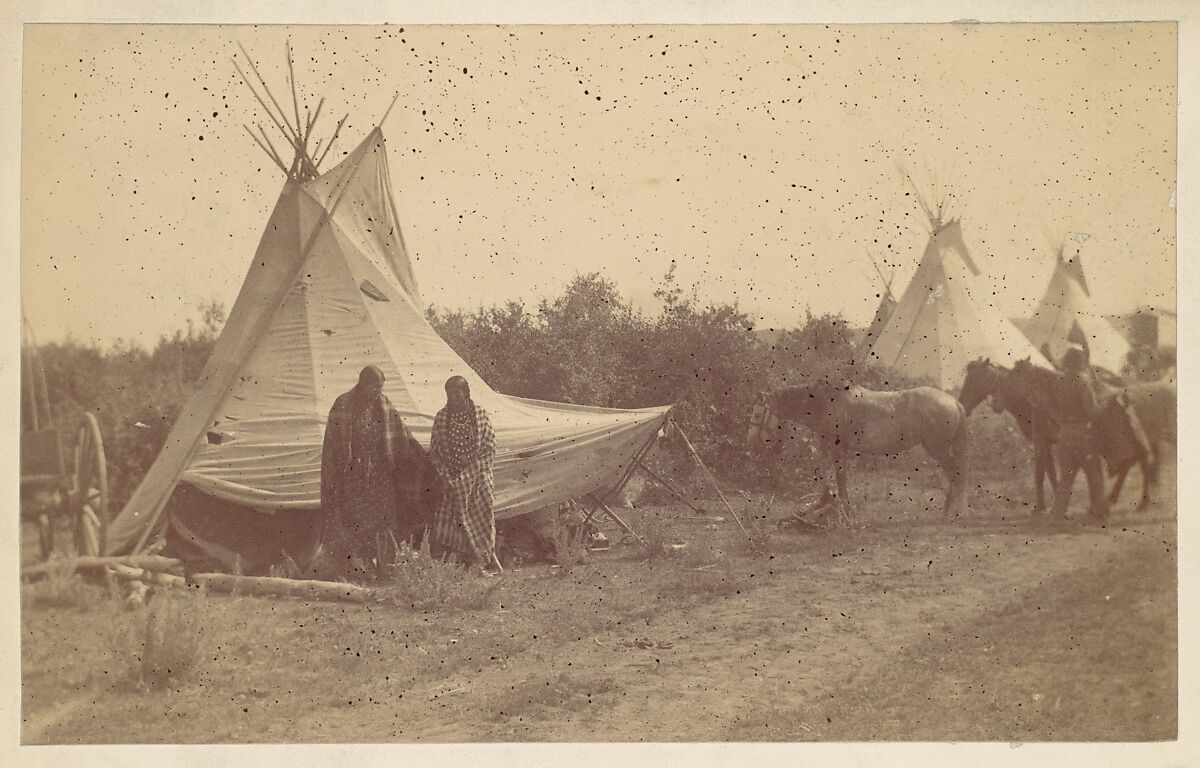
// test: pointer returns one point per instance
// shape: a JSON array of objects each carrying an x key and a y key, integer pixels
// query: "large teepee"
[
  {"x": 944, "y": 319},
  {"x": 1066, "y": 315},
  {"x": 329, "y": 290}
]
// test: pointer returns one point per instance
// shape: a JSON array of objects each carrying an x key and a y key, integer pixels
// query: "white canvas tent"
[
  {"x": 887, "y": 305},
  {"x": 883, "y": 312},
  {"x": 329, "y": 290},
  {"x": 1066, "y": 315},
  {"x": 944, "y": 319}
]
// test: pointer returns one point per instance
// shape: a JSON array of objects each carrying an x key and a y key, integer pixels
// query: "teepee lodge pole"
[
  {"x": 332, "y": 139},
  {"x": 315, "y": 115},
  {"x": 271, "y": 145},
  {"x": 388, "y": 111},
  {"x": 303, "y": 166},
  {"x": 275, "y": 159},
  {"x": 262, "y": 103},
  {"x": 295, "y": 139},
  {"x": 292, "y": 83}
]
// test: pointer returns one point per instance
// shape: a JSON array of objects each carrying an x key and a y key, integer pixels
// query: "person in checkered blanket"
[{"x": 463, "y": 449}]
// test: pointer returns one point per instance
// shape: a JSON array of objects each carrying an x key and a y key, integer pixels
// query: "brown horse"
[
  {"x": 1155, "y": 403},
  {"x": 984, "y": 380},
  {"x": 851, "y": 421},
  {"x": 1120, "y": 435}
]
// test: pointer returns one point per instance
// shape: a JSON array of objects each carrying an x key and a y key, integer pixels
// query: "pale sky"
[{"x": 762, "y": 159}]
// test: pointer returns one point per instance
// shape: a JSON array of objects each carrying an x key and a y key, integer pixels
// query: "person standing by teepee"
[
  {"x": 371, "y": 472},
  {"x": 463, "y": 449}
]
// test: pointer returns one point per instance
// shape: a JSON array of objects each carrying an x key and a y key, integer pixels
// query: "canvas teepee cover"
[
  {"x": 330, "y": 290},
  {"x": 1066, "y": 315},
  {"x": 943, "y": 320},
  {"x": 887, "y": 305}
]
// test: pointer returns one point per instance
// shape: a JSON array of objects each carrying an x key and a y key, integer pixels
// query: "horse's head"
[
  {"x": 764, "y": 422},
  {"x": 980, "y": 381},
  {"x": 1029, "y": 380}
]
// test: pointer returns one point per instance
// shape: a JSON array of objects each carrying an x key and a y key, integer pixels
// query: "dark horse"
[
  {"x": 1129, "y": 426},
  {"x": 985, "y": 380},
  {"x": 850, "y": 421}
]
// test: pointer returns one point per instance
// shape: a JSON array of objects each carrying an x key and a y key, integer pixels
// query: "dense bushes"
[
  {"x": 135, "y": 394},
  {"x": 589, "y": 346}
]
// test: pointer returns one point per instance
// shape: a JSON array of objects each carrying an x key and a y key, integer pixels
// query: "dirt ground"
[{"x": 990, "y": 628}]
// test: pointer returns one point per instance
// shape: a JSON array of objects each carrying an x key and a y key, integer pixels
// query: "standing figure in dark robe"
[
  {"x": 372, "y": 478},
  {"x": 1077, "y": 448},
  {"x": 463, "y": 448}
]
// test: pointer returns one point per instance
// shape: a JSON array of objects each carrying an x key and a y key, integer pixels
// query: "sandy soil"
[{"x": 992, "y": 628}]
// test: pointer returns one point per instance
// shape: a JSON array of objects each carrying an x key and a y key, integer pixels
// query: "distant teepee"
[
  {"x": 945, "y": 319},
  {"x": 883, "y": 312},
  {"x": 1067, "y": 315}
]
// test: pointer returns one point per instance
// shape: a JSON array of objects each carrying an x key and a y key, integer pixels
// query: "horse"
[
  {"x": 1120, "y": 436},
  {"x": 851, "y": 420},
  {"x": 984, "y": 380},
  {"x": 1155, "y": 403}
]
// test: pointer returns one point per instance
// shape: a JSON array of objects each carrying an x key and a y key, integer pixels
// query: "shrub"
[
  {"x": 172, "y": 638},
  {"x": 135, "y": 394},
  {"x": 421, "y": 582},
  {"x": 568, "y": 543},
  {"x": 588, "y": 345},
  {"x": 61, "y": 587}
]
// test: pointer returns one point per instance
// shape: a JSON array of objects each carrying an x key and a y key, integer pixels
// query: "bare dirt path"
[
  {"x": 777, "y": 660},
  {"x": 992, "y": 629}
]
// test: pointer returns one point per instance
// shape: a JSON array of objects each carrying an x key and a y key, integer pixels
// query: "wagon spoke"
[{"x": 85, "y": 470}]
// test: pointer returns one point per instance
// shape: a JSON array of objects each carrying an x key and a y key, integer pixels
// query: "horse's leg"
[
  {"x": 1071, "y": 464},
  {"x": 955, "y": 470},
  {"x": 1039, "y": 475},
  {"x": 1093, "y": 470},
  {"x": 1119, "y": 483},
  {"x": 1147, "y": 477},
  {"x": 953, "y": 461}
]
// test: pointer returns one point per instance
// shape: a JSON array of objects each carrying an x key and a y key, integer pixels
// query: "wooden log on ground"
[
  {"x": 148, "y": 562},
  {"x": 157, "y": 578},
  {"x": 280, "y": 587},
  {"x": 246, "y": 585}
]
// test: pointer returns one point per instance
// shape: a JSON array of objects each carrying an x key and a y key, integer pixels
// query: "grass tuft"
[
  {"x": 563, "y": 694},
  {"x": 171, "y": 639},
  {"x": 419, "y": 581},
  {"x": 62, "y": 587}
]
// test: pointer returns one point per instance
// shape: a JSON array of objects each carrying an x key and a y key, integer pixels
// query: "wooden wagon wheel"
[{"x": 89, "y": 489}]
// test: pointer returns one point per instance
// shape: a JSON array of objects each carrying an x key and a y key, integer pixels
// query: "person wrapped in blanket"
[
  {"x": 375, "y": 479},
  {"x": 463, "y": 449}
]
